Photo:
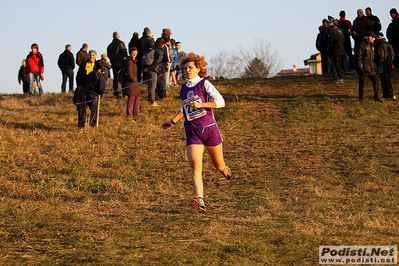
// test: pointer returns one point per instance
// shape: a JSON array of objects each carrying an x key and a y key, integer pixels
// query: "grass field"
[{"x": 312, "y": 166}]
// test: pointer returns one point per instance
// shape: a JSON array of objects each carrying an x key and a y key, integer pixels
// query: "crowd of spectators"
[
  {"x": 372, "y": 56},
  {"x": 128, "y": 71}
]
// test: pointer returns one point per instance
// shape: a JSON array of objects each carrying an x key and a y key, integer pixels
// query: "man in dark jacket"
[
  {"x": 366, "y": 64},
  {"x": 375, "y": 21},
  {"x": 384, "y": 56},
  {"x": 346, "y": 27},
  {"x": 116, "y": 52},
  {"x": 82, "y": 56},
  {"x": 145, "y": 43},
  {"x": 361, "y": 25},
  {"x": 66, "y": 63},
  {"x": 335, "y": 39},
  {"x": 393, "y": 34},
  {"x": 155, "y": 70},
  {"x": 79, "y": 97},
  {"x": 94, "y": 88},
  {"x": 106, "y": 67}
]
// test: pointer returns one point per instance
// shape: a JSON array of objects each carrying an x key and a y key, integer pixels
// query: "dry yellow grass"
[{"x": 312, "y": 166}]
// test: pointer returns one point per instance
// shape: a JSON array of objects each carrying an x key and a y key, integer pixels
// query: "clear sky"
[{"x": 204, "y": 27}]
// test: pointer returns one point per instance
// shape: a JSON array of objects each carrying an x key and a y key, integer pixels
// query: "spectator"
[
  {"x": 106, "y": 67},
  {"x": 366, "y": 64},
  {"x": 361, "y": 25},
  {"x": 178, "y": 47},
  {"x": 393, "y": 34},
  {"x": 384, "y": 56},
  {"x": 335, "y": 39},
  {"x": 82, "y": 56},
  {"x": 79, "y": 96},
  {"x": 154, "y": 70},
  {"x": 167, "y": 61},
  {"x": 145, "y": 44},
  {"x": 375, "y": 21},
  {"x": 134, "y": 41},
  {"x": 130, "y": 83},
  {"x": 66, "y": 63},
  {"x": 116, "y": 52},
  {"x": 172, "y": 78},
  {"x": 322, "y": 45},
  {"x": 35, "y": 68},
  {"x": 346, "y": 27},
  {"x": 23, "y": 77},
  {"x": 94, "y": 88}
]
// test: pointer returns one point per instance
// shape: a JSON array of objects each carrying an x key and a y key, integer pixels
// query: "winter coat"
[
  {"x": 130, "y": 81},
  {"x": 106, "y": 68},
  {"x": 145, "y": 44},
  {"x": 384, "y": 56},
  {"x": 361, "y": 26},
  {"x": 157, "y": 65},
  {"x": 365, "y": 58},
  {"x": 336, "y": 40},
  {"x": 81, "y": 57},
  {"x": 116, "y": 50},
  {"x": 376, "y": 23},
  {"x": 393, "y": 33},
  {"x": 81, "y": 75},
  {"x": 95, "y": 83},
  {"x": 66, "y": 61},
  {"x": 34, "y": 63}
]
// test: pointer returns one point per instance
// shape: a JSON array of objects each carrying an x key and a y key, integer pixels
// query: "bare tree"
[
  {"x": 262, "y": 61},
  {"x": 225, "y": 65}
]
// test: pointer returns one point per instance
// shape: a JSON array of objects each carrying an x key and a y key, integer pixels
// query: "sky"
[{"x": 203, "y": 27}]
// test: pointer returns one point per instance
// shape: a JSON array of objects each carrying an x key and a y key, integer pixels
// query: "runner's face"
[{"x": 191, "y": 70}]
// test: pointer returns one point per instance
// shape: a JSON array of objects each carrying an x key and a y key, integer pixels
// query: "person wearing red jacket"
[{"x": 35, "y": 68}]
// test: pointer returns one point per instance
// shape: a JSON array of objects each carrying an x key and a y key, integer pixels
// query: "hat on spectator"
[
  {"x": 393, "y": 11},
  {"x": 370, "y": 34},
  {"x": 93, "y": 52}
]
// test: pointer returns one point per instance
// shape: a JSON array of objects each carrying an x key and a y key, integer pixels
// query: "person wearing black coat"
[
  {"x": 79, "y": 97},
  {"x": 116, "y": 52},
  {"x": 384, "y": 56},
  {"x": 361, "y": 25},
  {"x": 366, "y": 64},
  {"x": 66, "y": 63},
  {"x": 145, "y": 43},
  {"x": 375, "y": 21},
  {"x": 335, "y": 39},
  {"x": 94, "y": 88},
  {"x": 393, "y": 34},
  {"x": 23, "y": 77},
  {"x": 155, "y": 70}
]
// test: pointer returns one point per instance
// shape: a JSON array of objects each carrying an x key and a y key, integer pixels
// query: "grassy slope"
[{"x": 312, "y": 166}]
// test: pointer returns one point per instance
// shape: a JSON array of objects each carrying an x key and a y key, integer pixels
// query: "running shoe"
[
  {"x": 198, "y": 204},
  {"x": 227, "y": 172}
]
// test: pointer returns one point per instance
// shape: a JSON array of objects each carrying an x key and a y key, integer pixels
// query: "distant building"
[
  {"x": 294, "y": 72},
  {"x": 314, "y": 63}
]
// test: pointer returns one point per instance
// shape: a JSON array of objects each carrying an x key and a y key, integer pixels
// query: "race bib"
[{"x": 193, "y": 113}]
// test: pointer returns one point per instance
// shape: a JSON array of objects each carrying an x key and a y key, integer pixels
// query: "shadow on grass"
[{"x": 35, "y": 125}]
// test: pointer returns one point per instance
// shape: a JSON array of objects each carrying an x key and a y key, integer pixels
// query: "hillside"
[{"x": 312, "y": 166}]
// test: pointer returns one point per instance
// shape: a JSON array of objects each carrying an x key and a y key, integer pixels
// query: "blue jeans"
[
  {"x": 116, "y": 66},
  {"x": 32, "y": 78},
  {"x": 65, "y": 75}
]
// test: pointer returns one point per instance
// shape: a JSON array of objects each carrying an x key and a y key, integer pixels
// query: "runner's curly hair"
[{"x": 199, "y": 62}]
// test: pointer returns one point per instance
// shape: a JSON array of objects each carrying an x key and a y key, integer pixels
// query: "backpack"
[
  {"x": 122, "y": 75},
  {"x": 148, "y": 57}
]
